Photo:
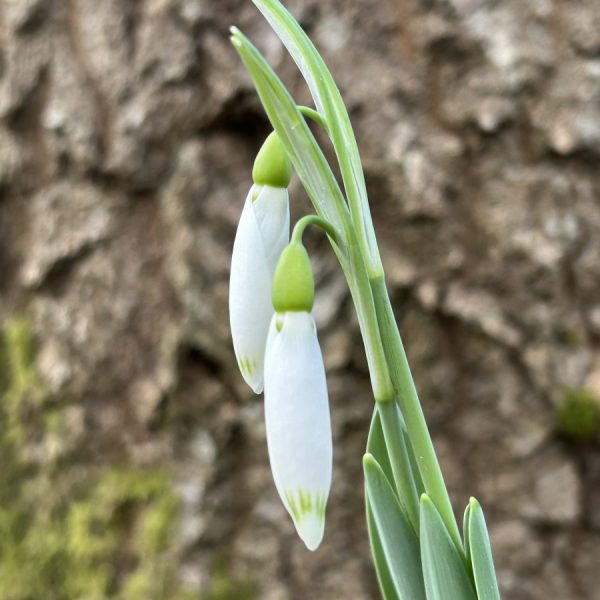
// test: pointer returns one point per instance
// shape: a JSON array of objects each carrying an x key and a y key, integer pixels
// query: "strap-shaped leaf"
[
  {"x": 330, "y": 104},
  {"x": 443, "y": 568},
  {"x": 384, "y": 577},
  {"x": 376, "y": 445},
  {"x": 414, "y": 466},
  {"x": 481, "y": 554},
  {"x": 466, "y": 540},
  {"x": 397, "y": 543},
  {"x": 395, "y": 442}
]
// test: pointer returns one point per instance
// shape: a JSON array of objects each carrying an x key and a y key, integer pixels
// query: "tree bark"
[{"x": 127, "y": 134}]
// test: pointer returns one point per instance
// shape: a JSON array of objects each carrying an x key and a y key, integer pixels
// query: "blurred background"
[{"x": 133, "y": 461}]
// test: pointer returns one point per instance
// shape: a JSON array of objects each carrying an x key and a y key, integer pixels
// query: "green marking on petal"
[
  {"x": 279, "y": 322},
  {"x": 321, "y": 503},
  {"x": 292, "y": 506},
  {"x": 305, "y": 502},
  {"x": 302, "y": 503},
  {"x": 247, "y": 365}
]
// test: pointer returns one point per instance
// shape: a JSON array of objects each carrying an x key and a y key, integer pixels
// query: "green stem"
[
  {"x": 366, "y": 312},
  {"x": 412, "y": 412},
  {"x": 308, "y": 220},
  {"x": 315, "y": 116}
]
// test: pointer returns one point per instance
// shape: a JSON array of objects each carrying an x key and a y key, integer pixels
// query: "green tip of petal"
[
  {"x": 308, "y": 513},
  {"x": 293, "y": 283},
  {"x": 272, "y": 166}
]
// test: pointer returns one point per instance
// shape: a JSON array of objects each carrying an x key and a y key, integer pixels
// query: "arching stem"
[
  {"x": 304, "y": 222},
  {"x": 313, "y": 115}
]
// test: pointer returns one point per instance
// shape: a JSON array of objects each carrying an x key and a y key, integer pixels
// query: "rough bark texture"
[{"x": 127, "y": 134}]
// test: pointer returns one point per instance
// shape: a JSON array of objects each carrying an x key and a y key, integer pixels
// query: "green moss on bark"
[
  {"x": 70, "y": 530},
  {"x": 578, "y": 416}
]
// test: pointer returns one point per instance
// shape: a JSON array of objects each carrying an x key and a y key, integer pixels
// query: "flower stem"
[
  {"x": 313, "y": 115},
  {"x": 412, "y": 412},
  {"x": 308, "y": 220}
]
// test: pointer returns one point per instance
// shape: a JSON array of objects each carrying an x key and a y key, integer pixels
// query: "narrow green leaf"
[
  {"x": 413, "y": 464},
  {"x": 330, "y": 104},
  {"x": 466, "y": 533},
  {"x": 481, "y": 554},
  {"x": 384, "y": 577},
  {"x": 397, "y": 542},
  {"x": 443, "y": 569},
  {"x": 392, "y": 424},
  {"x": 376, "y": 445}
]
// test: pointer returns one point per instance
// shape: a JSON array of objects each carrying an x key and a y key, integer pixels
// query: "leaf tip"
[
  {"x": 474, "y": 503},
  {"x": 368, "y": 460},
  {"x": 235, "y": 37}
]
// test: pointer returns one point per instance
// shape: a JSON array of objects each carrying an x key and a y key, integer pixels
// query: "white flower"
[
  {"x": 298, "y": 422},
  {"x": 262, "y": 234}
]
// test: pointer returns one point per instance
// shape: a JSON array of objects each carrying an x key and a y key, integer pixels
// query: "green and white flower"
[
  {"x": 262, "y": 234},
  {"x": 296, "y": 401}
]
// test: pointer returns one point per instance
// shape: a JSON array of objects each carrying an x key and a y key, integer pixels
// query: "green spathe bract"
[
  {"x": 293, "y": 283},
  {"x": 272, "y": 165}
]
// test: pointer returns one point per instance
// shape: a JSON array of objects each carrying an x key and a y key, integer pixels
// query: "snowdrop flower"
[
  {"x": 262, "y": 234},
  {"x": 296, "y": 402}
]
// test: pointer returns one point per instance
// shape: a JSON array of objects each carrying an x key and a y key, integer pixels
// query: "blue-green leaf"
[
  {"x": 481, "y": 554},
  {"x": 395, "y": 441},
  {"x": 384, "y": 577},
  {"x": 376, "y": 447},
  {"x": 466, "y": 532},
  {"x": 397, "y": 542},
  {"x": 444, "y": 571}
]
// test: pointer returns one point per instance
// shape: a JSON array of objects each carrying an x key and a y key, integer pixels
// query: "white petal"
[
  {"x": 272, "y": 211},
  {"x": 298, "y": 422},
  {"x": 255, "y": 253}
]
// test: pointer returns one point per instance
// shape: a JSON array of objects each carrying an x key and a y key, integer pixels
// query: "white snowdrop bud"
[
  {"x": 296, "y": 401},
  {"x": 262, "y": 234}
]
